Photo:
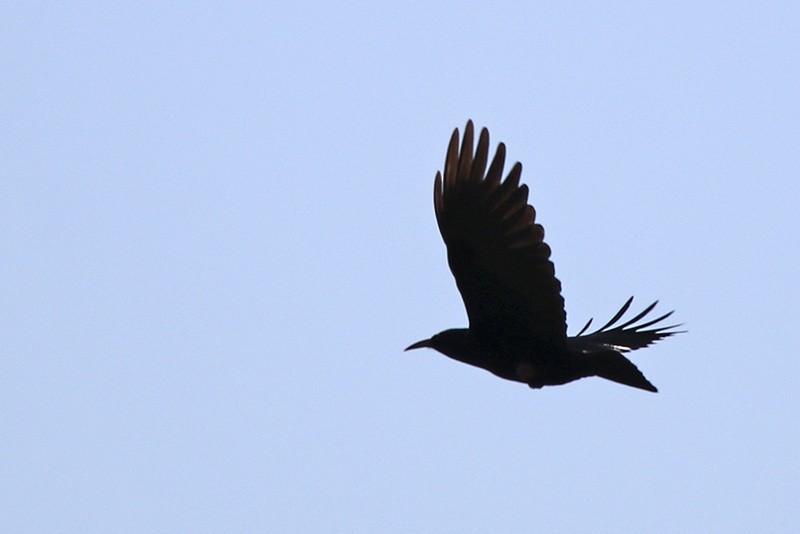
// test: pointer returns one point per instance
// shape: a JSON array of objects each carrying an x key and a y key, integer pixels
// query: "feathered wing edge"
[
  {"x": 496, "y": 249},
  {"x": 627, "y": 336}
]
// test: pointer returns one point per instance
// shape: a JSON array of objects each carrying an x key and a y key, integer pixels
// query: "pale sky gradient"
[{"x": 217, "y": 237}]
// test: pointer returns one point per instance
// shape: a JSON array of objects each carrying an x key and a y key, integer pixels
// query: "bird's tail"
[{"x": 612, "y": 365}]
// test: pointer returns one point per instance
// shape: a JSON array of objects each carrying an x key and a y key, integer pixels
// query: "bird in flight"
[{"x": 497, "y": 254}]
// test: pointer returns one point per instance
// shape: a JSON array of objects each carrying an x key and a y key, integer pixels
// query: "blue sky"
[{"x": 218, "y": 236}]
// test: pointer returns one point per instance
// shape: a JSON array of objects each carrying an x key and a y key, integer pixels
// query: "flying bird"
[{"x": 501, "y": 264}]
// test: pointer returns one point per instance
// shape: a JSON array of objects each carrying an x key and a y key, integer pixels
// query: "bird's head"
[{"x": 454, "y": 343}]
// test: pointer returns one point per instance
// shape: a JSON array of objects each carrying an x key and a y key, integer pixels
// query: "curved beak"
[{"x": 419, "y": 345}]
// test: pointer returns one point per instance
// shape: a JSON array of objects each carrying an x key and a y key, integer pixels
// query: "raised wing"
[
  {"x": 495, "y": 249},
  {"x": 627, "y": 336}
]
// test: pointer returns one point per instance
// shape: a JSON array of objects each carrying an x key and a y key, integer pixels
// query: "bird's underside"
[{"x": 501, "y": 264}]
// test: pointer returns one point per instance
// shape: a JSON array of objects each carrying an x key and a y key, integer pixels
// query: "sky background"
[{"x": 217, "y": 237}]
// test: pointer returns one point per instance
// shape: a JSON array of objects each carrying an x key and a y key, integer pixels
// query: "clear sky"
[{"x": 217, "y": 237}]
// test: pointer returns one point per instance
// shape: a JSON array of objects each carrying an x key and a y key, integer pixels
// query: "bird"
[{"x": 502, "y": 268}]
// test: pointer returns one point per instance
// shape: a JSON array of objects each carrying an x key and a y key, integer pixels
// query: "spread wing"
[
  {"x": 627, "y": 336},
  {"x": 495, "y": 248}
]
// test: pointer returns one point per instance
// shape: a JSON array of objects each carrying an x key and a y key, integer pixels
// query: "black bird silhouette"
[{"x": 496, "y": 251}]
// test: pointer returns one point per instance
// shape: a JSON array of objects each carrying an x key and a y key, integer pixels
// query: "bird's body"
[
  {"x": 496, "y": 251},
  {"x": 513, "y": 359}
]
